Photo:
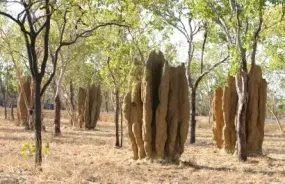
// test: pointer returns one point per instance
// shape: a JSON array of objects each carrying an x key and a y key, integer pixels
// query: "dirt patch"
[{"x": 90, "y": 156}]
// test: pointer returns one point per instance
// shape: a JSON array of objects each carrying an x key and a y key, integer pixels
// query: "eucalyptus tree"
[
  {"x": 34, "y": 19},
  {"x": 115, "y": 49},
  {"x": 80, "y": 69},
  {"x": 183, "y": 17},
  {"x": 242, "y": 23},
  {"x": 13, "y": 52},
  {"x": 273, "y": 62},
  {"x": 6, "y": 85},
  {"x": 115, "y": 59}
]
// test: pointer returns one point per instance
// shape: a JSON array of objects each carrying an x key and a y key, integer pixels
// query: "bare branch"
[
  {"x": 136, "y": 44},
  {"x": 112, "y": 75},
  {"x": 29, "y": 17},
  {"x": 203, "y": 46},
  {"x": 255, "y": 39},
  {"x": 208, "y": 71},
  {"x": 62, "y": 43},
  {"x": 46, "y": 39},
  {"x": 190, "y": 57},
  {"x": 88, "y": 32},
  {"x": 11, "y": 18}
]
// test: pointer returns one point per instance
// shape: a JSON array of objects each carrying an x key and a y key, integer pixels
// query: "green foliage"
[{"x": 28, "y": 149}]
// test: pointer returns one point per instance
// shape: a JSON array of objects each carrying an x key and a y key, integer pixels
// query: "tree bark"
[
  {"x": 193, "y": 116},
  {"x": 72, "y": 102},
  {"x": 242, "y": 90},
  {"x": 4, "y": 99},
  {"x": 57, "y": 104},
  {"x": 121, "y": 110},
  {"x": 31, "y": 119},
  {"x": 5, "y": 106},
  {"x": 106, "y": 102},
  {"x": 12, "y": 110},
  {"x": 38, "y": 121},
  {"x": 71, "y": 87},
  {"x": 117, "y": 113}
]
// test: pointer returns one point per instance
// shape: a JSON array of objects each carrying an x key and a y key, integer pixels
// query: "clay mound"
[
  {"x": 178, "y": 112},
  {"x": 89, "y": 104},
  {"x": 22, "y": 106},
  {"x": 150, "y": 98},
  {"x": 93, "y": 102},
  {"x": 158, "y": 111},
  {"x": 229, "y": 107},
  {"x": 127, "y": 115},
  {"x": 136, "y": 118},
  {"x": 219, "y": 119},
  {"x": 256, "y": 110},
  {"x": 161, "y": 111},
  {"x": 133, "y": 111}
]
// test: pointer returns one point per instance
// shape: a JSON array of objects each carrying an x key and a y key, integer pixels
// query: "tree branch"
[
  {"x": 208, "y": 71},
  {"x": 112, "y": 75},
  {"x": 255, "y": 39},
  {"x": 62, "y": 43},
  {"x": 88, "y": 32},
  {"x": 136, "y": 44},
  {"x": 46, "y": 39},
  {"x": 203, "y": 47}
]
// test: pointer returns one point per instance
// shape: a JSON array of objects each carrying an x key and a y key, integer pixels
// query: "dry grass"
[{"x": 80, "y": 156}]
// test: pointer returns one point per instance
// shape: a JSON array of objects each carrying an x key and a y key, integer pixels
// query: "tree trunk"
[
  {"x": 121, "y": 110},
  {"x": 5, "y": 105},
  {"x": 57, "y": 104},
  {"x": 12, "y": 110},
  {"x": 72, "y": 102},
  {"x": 106, "y": 106},
  {"x": 3, "y": 90},
  {"x": 117, "y": 113},
  {"x": 71, "y": 87},
  {"x": 242, "y": 90},
  {"x": 106, "y": 102},
  {"x": 38, "y": 122},
  {"x": 193, "y": 116}
]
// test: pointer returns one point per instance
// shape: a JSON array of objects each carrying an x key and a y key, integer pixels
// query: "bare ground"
[{"x": 81, "y": 156}]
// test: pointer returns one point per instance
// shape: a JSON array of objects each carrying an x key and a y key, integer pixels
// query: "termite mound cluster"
[
  {"x": 224, "y": 113},
  {"x": 157, "y": 109}
]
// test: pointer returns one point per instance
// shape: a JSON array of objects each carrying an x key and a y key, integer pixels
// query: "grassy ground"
[{"x": 80, "y": 156}]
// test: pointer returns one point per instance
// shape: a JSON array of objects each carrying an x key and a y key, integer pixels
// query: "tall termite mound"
[
  {"x": 128, "y": 116},
  {"x": 230, "y": 99},
  {"x": 23, "y": 107},
  {"x": 177, "y": 112},
  {"x": 133, "y": 110},
  {"x": 157, "y": 110},
  {"x": 89, "y": 104},
  {"x": 92, "y": 106},
  {"x": 256, "y": 110},
  {"x": 218, "y": 117},
  {"x": 81, "y": 106}
]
